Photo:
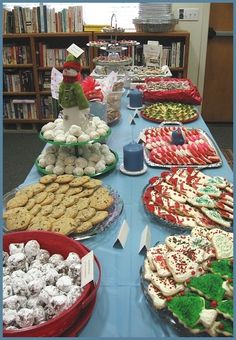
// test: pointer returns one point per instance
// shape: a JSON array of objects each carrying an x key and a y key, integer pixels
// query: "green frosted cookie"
[
  {"x": 187, "y": 309},
  {"x": 226, "y": 308},
  {"x": 208, "y": 285},
  {"x": 222, "y": 267},
  {"x": 225, "y": 327}
]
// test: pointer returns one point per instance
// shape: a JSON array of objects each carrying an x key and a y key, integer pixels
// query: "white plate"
[{"x": 133, "y": 173}]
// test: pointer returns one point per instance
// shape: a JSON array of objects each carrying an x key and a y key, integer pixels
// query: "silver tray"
[
  {"x": 200, "y": 166},
  {"x": 113, "y": 213}
]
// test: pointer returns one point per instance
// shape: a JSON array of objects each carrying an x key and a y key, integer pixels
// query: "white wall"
[{"x": 198, "y": 41}]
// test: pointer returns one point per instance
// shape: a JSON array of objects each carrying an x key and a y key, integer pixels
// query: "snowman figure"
[{"x": 71, "y": 96}]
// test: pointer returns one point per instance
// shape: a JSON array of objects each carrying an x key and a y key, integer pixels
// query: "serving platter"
[{"x": 203, "y": 151}]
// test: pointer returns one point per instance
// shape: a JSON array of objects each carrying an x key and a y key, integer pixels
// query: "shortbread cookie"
[
  {"x": 49, "y": 199},
  {"x": 36, "y": 208},
  {"x": 26, "y": 191},
  {"x": 57, "y": 199},
  {"x": 52, "y": 187},
  {"x": 102, "y": 202},
  {"x": 40, "y": 197},
  {"x": 17, "y": 201},
  {"x": 85, "y": 226},
  {"x": 62, "y": 189},
  {"x": 64, "y": 225},
  {"x": 85, "y": 215},
  {"x": 30, "y": 204},
  {"x": 82, "y": 203},
  {"x": 62, "y": 179},
  {"x": 99, "y": 217},
  {"x": 47, "y": 179},
  {"x": 93, "y": 183},
  {"x": 79, "y": 181},
  {"x": 46, "y": 210},
  {"x": 158, "y": 299},
  {"x": 58, "y": 211},
  {"x": 73, "y": 191},
  {"x": 18, "y": 219}
]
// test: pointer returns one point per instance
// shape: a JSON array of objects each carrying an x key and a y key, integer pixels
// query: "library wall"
[{"x": 198, "y": 41}]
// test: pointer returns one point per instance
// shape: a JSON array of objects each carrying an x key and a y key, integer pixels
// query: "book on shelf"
[
  {"x": 19, "y": 109},
  {"x": 42, "y": 19},
  {"x": 16, "y": 54},
  {"x": 49, "y": 107},
  {"x": 21, "y": 81}
]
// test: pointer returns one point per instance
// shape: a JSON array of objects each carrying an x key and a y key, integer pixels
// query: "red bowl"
[{"x": 56, "y": 244}]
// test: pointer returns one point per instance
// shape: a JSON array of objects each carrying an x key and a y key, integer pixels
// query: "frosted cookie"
[
  {"x": 47, "y": 179},
  {"x": 224, "y": 327},
  {"x": 152, "y": 252},
  {"x": 175, "y": 242},
  {"x": 199, "y": 231},
  {"x": 209, "y": 190},
  {"x": 223, "y": 246},
  {"x": 223, "y": 267},
  {"x": 181, "y": 267},
  {"x": 158, "y": 300},
  {"x": 226, "y": 309},
  {"x": 147, "y": 271},
  {"x": 166, "y": 285},
  {"x": 202, "y": 201},
  {"x": 216, "y": 217}
]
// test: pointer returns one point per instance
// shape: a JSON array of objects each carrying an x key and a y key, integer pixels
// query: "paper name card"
[
  {"x": 87, "y": 268},
  {"x": 75, "y": 50},
  {"x": 145, "y": 239},
  {"x": 131, "y": 119},
  {"x": 142, "y": 137},
  {"x": 56, "y": 79},
  {"x": 122, "y": 235}
]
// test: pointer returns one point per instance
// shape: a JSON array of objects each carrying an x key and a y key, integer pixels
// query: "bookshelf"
[
  {"x": 42, "y": 51},
  {"x": 27, "y": 62}
]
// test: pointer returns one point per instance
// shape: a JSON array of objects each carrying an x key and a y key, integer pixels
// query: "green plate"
[
  {"x": 108, "y": 168},
  {"x": 100, "y": 139}
]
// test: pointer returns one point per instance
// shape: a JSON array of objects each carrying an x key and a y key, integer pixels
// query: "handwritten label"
[
  {"x": 87, "y": 268},
  {"x": 75, "y": 50},
  {"x": 145, "y": 240},
  {"x": 56, "y": 79},
  {"x": 122, "y": 235}
]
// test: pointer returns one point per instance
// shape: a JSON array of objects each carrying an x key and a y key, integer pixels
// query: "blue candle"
[
  {"x": 133, "y": 157},
  {"x": 135, "y": 98}
]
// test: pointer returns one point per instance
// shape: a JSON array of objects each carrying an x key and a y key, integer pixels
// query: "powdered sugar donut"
[
  {"x": 39, "y": 315},
  {"x": 73, "y": 294},
  {"x": 9, "y": 316},
  {"x": 59, "y": 303},
  {"x": 35, "y": 286},
  {"x": 16, "y": 261},
  {"x": 109, "y": 159},
  {"x": 50, "y": 159},
  {"x": 55, "y": 259},
  {"x": 25, "y": 317},
  {"x": 70, "y": 160},
  {"x": 42, "y": 162},
  {"x": 100, "y": 166},
  {"x": 104, "y": 149},
  {"x": 43, "y": 256},
  {"x": 94, "y": 157},
  {"x": 72, "y": 258},
  {"x": 64, "y": 283}
]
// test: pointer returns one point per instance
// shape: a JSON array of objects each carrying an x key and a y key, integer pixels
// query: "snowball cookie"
[
  {"x": 58, "y": 121},
  {"x": 75, "y": 130},
  {"x": 72, "y": 258},
  {"x": 58, "y": 132},
  {"x": 83, "y": 137},
  {"x": 96, "y": 120},
  {"x": 55, "y": 259},
  {"x": 49, "y": 168},
  {"x": 70, "y": 160},
  {"x": 110, "y": 158},
  {"x": 100, "y": 166},
  {"x": 101, "y": 131},
  {"x": 59, "y": 162},
  {"x": 16, "y": 248},
  {"x": 69, "y": 169},
  {"x": 94, "y": 134},
  {"x": 60, "y": 138},
  {"x": 92, "y": 164},
  {"x": 32, "y": 248},
  {"x": 9, "y": 316},
  {"x": 89, "y": 170},
  {"x": 52, "y": 148},
  {"x": 50, "y": 159},
  {"x": 25, "y": 317},
  {"x": 59, "y": 303},
  {"x": 39, "y": 315},
  {"x": 42, "y": 162},
  {"x": 48, "y": 126},
  {"x": 104, "y": 149},
  {"x": 59, "y": 170},
  {"x": 49, "y": 135},
  {"x": 64, "y": 283},
  {"x": 81, "y": 162},
  {"x": 78, "y": 171},
  {"x": 94, "y": 157},
  {"x": 71, "y": 139}
]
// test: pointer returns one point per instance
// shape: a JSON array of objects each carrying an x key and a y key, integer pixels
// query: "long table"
[{"x": 121, "y": 308}]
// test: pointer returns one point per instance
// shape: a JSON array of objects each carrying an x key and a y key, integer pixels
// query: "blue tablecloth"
[{"x": 121, "y": 309}]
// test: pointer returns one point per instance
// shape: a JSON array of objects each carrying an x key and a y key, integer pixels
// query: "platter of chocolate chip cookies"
[
  {"x": 188, "y": 280},
  {"x": 64, "y": 204}
]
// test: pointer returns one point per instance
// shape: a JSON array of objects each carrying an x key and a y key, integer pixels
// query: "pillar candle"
[{"x": 133, "y": 157}]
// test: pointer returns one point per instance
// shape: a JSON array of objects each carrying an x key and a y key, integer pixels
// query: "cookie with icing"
[
  {"x": 223, "y": 267},
  {"x": 158, "y": 299},
  {"x": 226, "y": 308},
  {"x": 223, "y": 246}
]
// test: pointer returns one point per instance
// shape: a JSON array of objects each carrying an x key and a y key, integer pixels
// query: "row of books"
[
  {"x": 19, "y": 109},
  {"x": 13, "y": 55},
  {"x": 173, "y": 55},
  {"x": 49, "y": 107},
  {"x": 47, "y": 56},
  {"x": 21, "y": 81},
  {"x": 42, "y": 19}
]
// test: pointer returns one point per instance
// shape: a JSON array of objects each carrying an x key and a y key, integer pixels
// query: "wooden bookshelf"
[
  {"x": 32, "y": 41},
  {"x": 63, "y": 41}
]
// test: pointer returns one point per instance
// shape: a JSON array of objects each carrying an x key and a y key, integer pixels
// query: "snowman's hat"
[{"x": 72, "y": 62}]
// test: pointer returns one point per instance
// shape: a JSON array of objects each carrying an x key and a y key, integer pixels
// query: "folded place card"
[
  {"x": 122, "y": 235},
  {"x": 145, "y": 240},
  {"x": 142, "y": 137},
  {"x": 87, "y": 268},
  {"x": 75, "y": 50}
]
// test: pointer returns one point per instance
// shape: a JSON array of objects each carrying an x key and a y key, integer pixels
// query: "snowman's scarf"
[{"x": 71, "y": 79}]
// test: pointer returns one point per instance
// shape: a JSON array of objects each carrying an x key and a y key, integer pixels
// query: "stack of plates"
[{"x": 154, "y": 17}]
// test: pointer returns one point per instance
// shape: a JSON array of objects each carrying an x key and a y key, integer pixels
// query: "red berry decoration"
[
  {"x": 193, "y": 273},
  {"x": 221, "y": 326},
  {"x": 168, "y": 298},
  {"x": 182, "y": 293},
  {"x": 214, "y": 304},
  {"x": 230, "y": 279},
  {"x": 188, "y": 280}
]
